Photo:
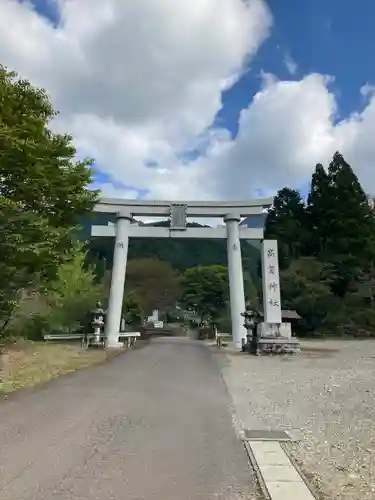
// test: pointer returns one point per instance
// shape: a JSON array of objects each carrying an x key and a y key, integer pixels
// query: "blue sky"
[{"x": 333, "y": 37}]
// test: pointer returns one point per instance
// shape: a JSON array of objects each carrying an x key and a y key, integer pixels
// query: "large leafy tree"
[
  {"x": 64, "y": 303},
  {"x": 38, "y": 169},
  {"x": 306, "y": 288},
  {"x": 27, "y": 249},
  {"x": 154, "y": 282},
  {"x": 205, "y": 290},
  {"x": 42, "y": 189},
  {"x": 132, "y": 309},
  {"x": 73, "y": 293}
]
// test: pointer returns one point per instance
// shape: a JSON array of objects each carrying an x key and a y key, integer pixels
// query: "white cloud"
[
  {"x": 140, "y": 81},
  {"x": 290, "y": 64},
  {"x": 110, "y": 191},
  {"x": 289, "y": 127},
  {"x": 355, "y": 138},
  {"x": 367, "y": 90},
  {"x": 135, "y": 80}
]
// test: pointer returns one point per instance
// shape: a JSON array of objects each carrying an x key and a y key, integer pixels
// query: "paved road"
[{"x": 152, "y": 424}]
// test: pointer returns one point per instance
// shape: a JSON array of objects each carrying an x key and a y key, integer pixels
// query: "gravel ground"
[{"x": 326, "y": 396}]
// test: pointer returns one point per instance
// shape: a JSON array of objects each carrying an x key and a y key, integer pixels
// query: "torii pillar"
[
  {"x": 235, "y": 273},
  {"x": 116, "y": 293}
]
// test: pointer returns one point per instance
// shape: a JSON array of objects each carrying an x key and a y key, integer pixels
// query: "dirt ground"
[{"x": 26, "y": 364}]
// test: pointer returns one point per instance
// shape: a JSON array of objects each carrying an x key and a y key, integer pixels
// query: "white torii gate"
[{"x": 232, "y": 212}]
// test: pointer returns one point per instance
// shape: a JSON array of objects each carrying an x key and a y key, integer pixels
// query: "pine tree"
[
  {"x": 354, "y": 223},
  {"x": 286, "y": 222},
  {"x": 341, "y": 221},
  {"x": 319, "y": 207}
]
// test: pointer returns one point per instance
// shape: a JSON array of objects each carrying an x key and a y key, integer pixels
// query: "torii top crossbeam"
[{"x": 193, "y": 208}]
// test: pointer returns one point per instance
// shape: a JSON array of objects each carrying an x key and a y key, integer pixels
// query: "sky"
[{"x": 204, "y": 99}]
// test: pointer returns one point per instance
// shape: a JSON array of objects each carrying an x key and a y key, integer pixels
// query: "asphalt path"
[{"x": 151, "y": 424}]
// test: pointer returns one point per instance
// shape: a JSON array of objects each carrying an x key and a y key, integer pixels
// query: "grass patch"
[{"x": 26, "y": 364}]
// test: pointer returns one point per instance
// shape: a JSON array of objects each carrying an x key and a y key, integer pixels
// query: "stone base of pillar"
[
  {"x": 113, "y": 343},
  {"x": 239, "y": 344},
  {"x": 119, "y": 345}
]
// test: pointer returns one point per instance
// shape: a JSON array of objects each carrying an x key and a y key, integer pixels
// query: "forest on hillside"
[{"x": 181, "y": 254}]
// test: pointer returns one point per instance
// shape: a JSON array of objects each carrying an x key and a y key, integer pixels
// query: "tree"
[
  {"x": 72, "y": 294},
  {"x": 42, "y": 188},
  {"x": 205, "y": 290},
  {"x": 341, "y": 222},
  {"x": 286, "y": 222},
  {"x": 319, "y": 207},
  {"x": 28, "y": 254},
  {"x": 154, "y": 282},
  {"x": 358, "y": 306},
  {"x": 354, "y": 221},
  {"x": 38, "y": 170},
  {"x": 327, "y": 252},
  {"x": 305, "y": 287},
  {"x": 132, "y": 309}
]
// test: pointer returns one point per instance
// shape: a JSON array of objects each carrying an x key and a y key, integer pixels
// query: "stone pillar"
[
  {"x": 116, "y": 294},
  {"x": 236, "y": 286},
  {"x": 271, "y": 283}
]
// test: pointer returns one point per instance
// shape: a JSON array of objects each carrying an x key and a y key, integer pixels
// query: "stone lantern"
[
  {"x": 252, "y": 318},
  {"x": 97, "y": 323}
]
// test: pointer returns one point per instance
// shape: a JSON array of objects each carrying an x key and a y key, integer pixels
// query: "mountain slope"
[{"x": 180, "y": 253}]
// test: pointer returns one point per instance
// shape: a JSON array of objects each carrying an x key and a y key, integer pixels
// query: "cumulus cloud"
[
  {"x": 135, "y": 80},
  {"x": 138, "y": 84},
  {"x": 288, "y": 127}
]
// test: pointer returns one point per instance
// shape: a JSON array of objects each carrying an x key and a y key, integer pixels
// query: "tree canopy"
[
  {"x": 132, "y": 309},
  {"x": 286, "y": 222},
  {"x": 38, "y": 169},
  {"x": 154, "y": 282},
  {"x": 205, "y": 290},
  {"x": 43, "y": 190},
  {"x": 327, "y": 247}
]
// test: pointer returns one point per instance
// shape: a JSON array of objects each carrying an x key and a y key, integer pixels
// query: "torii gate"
[{"x": 232, "y": 212}]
